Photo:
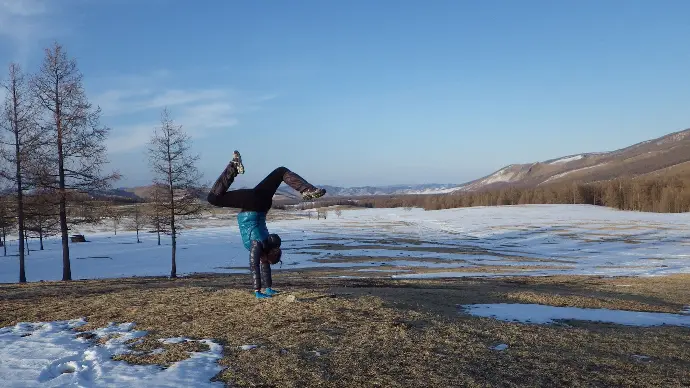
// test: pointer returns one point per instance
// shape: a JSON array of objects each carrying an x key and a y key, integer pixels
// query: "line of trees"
[
  {"x": 53, "y": 156},
  {"x": 659, "y": 194}
]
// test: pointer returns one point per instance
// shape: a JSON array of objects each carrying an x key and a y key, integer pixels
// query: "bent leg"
[
  {"x": 269, "y": 185},
  {"x": 219, "y": 196}
]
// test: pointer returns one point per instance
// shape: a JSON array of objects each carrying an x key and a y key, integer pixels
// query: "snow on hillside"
[
  {"x": 561, "y": 175},
  {"x": 567, "y": 159},
  {"x": 553, "y": 239},
  {"x": 676, "y": 137},
  {"x": 501, "y": 176},
  {"x": 431, "y": 188}
]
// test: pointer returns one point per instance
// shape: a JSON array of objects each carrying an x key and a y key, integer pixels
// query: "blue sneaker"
[
  {"x": 271, "y": 292},
  {"x": 261, "y": 295}
]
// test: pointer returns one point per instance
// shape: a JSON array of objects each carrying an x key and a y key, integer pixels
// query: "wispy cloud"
[
  {"x": 25, "y": 22},
  {"x": 200, "y": 111}
]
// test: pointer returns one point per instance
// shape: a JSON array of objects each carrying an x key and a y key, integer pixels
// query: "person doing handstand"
[{"x": 254, "y": 204}]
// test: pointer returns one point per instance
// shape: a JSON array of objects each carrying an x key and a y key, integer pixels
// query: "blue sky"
[{"x": 378, "y": 92}]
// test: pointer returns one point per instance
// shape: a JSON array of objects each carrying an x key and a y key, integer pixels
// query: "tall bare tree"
[
  {"x": 19, "y": 141},
  {"x": 175, "y": 169},
  {"x": 77, "y": 139}
]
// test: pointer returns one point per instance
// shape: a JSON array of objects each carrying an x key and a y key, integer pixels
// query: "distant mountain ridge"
[{"x": 667, "y": 154}]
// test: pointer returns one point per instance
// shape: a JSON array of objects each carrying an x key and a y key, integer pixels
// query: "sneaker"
[
  {"x": 313, "y": 193},
  {"x": 271, "y": 292},
  {"x": 237, "y": 160},
  {"x": 261, "y": 295}
]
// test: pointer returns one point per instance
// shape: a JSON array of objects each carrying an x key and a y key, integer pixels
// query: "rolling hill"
[{"x": 667, "y": 154}]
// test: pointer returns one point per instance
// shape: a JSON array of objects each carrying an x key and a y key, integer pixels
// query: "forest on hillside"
[{"x": 662, "y": 194}]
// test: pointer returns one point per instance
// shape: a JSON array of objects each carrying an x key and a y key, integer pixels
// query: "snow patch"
[
  {"x": 500, "y": 347},
  {"x": 543, "y": 314},
  {"x": 53, "y": 354},
  {"x": 561, "y": 175},
  {"x": 248, "y": 347},
  {"x": 567, "y": 159},
  {"x": 501, "y": 176}
]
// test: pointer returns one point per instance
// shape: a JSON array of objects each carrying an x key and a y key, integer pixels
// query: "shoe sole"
[
  {"x": 316, "y": 195},
  {"x": 237, "y": 158}
]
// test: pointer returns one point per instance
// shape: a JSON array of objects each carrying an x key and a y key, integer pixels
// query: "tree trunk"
[
  {"x": 20, "y": 199},
  {"x": 66, "y": 269},
  {"x": 173, "y": 233},
  {"x": 26, "y": 242},
  {"x": 4, "y": 240},
  {"x": 40, "y": 237},
  {"x": 138, "y": 235},
  {"x": 173, "y": 272}
]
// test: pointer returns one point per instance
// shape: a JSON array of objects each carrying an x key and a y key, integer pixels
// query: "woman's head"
[
  {"x": 272, "y": 249},
  {"x": 273, "y": 255},
  {"x": 273, "y": 241}
]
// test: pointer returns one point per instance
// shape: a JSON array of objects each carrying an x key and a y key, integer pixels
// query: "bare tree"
[
  {"x": 136, "y": 218},
  {"x": 20, "y": 141},
  {"x": 42, "y": 216},
  {"x": 76, "y": 137},
  {"x": 6, "y": 220},
  {"x": 115, "y": 213},
  {"x": 156, "y": 214},
  {"x": 175, "y": 169}
]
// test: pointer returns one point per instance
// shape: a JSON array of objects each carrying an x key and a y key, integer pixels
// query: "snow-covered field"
[{"x": 549, "y": 239}]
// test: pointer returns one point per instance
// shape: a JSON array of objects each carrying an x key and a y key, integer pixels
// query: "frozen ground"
[
  {"x": 525, "y": 240},
  {"x": 50, "y": 354}
]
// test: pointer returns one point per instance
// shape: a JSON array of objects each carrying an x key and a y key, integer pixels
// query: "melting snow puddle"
[
  {"x": 50, "y": 354},
  {"x": 500, "y": 347},
  {"x": 536, "y": 313}
]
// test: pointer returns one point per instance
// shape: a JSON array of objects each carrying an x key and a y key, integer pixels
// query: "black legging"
[
  {"x": 259, "y": 199},
  {"x": 261, "y": 271}
]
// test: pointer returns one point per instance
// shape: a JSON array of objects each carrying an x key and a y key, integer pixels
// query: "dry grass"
[
  {"x": 151, "y": 351},
  {"x": 382, "y": 333}
]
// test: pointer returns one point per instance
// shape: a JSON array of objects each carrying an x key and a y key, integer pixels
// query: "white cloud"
[
  {"x": 24, "y": 22},
  {"x": 127, "y": 138},
  {"x": 199, "y": 111}
]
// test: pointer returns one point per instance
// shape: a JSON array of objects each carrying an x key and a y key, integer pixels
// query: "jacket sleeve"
[{"x": 255, "y": 253}]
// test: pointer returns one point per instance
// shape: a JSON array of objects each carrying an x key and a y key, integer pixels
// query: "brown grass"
[
  {"x": 379, "y": 332},
  {"x": 171, "y": 353}
]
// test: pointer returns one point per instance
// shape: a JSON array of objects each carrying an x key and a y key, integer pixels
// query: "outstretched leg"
[
  {"x": 269, "y": 185},
  {"x": 241, "y": 199}
]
